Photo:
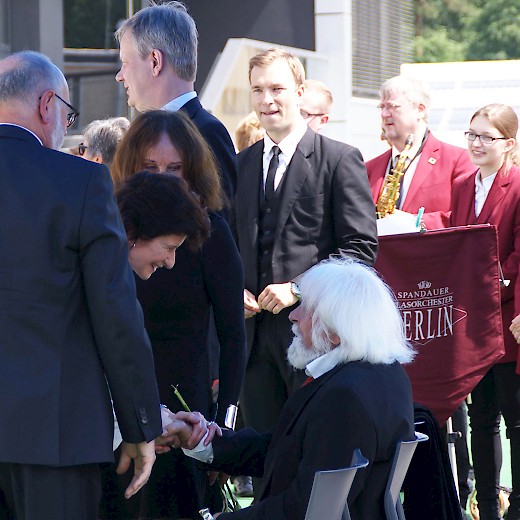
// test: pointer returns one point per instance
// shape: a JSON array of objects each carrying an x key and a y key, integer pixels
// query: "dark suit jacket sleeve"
[
  {"x": 116, "y": 316},
  {"x": 224, "y": 280},
  {"x": 353, "y": 209},
  {"x": 337, "y": 410},
  {"x": 221, "y": 144},
  {"x": 242, "y": 452}
]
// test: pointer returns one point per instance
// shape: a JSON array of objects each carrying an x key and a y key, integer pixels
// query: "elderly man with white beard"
[{"x": 349, "y": 338}]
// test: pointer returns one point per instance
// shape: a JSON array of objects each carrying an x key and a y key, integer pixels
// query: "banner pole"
[{"x": 451, "y": 437}]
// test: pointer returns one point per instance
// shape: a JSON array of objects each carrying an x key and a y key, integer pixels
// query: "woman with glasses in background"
[
  {"x": 491, "y": 195},
  {"x": 100, "y": 139}
]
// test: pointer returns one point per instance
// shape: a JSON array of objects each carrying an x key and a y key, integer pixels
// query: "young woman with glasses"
[{"x": 491, "y": 195}]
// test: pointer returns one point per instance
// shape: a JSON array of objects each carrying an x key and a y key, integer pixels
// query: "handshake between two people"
[{"x": 185, "y": 430}]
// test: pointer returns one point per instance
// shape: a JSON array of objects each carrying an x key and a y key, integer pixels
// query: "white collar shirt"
[
  {"x": 23, "y": 127},
  {"x": 287, "y": 148},
  {"x": 323, "y": 364},
  {"x": 179, "y": 102},
  {"x": 410, "y": 165},
  {"x": 482, "y": 187}
]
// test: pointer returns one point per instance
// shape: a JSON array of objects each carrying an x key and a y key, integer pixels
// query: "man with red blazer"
[
  {"x": 432, "y": 166},
  {"x": 430, "y": 172}
]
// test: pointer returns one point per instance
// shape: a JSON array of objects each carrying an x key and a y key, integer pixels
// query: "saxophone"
[{"x": 390, "y": 191}]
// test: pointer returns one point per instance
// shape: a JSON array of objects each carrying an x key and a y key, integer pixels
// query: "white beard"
[{"x": 299, "y": 356}]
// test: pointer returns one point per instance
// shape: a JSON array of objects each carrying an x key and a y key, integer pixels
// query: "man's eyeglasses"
[
  {"x": 391, "y": 107},
  {"x": 484, "y": 139},
  {"x": 82, "y": 149},
  {"x": 71, "y": 116},
  {"x": 308, "y": 115}
]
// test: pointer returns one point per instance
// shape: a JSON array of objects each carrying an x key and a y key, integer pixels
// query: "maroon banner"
[{"x": 448, "y": 288}]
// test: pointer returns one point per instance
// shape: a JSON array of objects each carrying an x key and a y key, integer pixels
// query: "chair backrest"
[
  {"x": 403, "y": 455},
  {"x": 330, "y": 491}
]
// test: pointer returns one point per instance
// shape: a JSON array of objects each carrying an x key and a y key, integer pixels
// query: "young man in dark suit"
[
  {"x": 349, "y": 338},
  {"x": 158, "y": 49},
  {"x": 300, "y": 198},
  {"x": 73, "y": 337}
]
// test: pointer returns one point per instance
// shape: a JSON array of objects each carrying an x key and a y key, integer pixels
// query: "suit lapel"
[
  {"x": 492, "y": 204},
  {"x": 465, "y": 210},
  {"x": 380, "y": 165},
  {"x": 247, "y": 206},
  {"x": 295, "y": 177}
]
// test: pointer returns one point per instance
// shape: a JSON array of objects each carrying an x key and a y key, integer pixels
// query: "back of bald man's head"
[{"x": 26, "y": 75}]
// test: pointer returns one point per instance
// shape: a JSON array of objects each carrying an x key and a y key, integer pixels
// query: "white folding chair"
[
  {"x": 330, "y": 491},
  {"x": 403, "y": 455}
]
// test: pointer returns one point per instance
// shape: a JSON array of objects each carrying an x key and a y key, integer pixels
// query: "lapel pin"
[{"x": 431, "y": 160}]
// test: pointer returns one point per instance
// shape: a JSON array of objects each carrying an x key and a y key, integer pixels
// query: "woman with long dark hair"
[{"x": 178, "y": 306}]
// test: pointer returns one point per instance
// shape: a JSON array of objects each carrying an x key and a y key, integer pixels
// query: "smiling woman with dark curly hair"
[{"x": 159, "y": 213}]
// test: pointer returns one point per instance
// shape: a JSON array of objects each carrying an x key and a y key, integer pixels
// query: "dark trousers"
[
  {"x": 498, "y": 393},
  {"x": 460, "y": 424},
  {"x": 50, "y": 493},
  {"x": 175, "y": 490},
  {"x": 269, "y": 379},
  {"x": 4, "y": 513}
]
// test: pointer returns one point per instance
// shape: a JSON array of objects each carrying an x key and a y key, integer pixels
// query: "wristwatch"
[{"x": 296, "y": 291}]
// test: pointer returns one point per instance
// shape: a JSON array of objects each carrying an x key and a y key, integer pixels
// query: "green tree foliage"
[
  {"x": 458, "y": 30},
  {"x": 436, "y": 45},
  {"x": 449, "y": 14},
  {"x": 91, "y": 23},
  {"x": 496, "y": 32}
]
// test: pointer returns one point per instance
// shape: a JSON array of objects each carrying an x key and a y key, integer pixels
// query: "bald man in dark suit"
[{"x": 73, "y": 337}]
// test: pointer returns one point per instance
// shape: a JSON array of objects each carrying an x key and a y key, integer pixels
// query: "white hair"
[
  {"x": 348, "y": 299},
  {"x": 103, "y": 136},
  {"x": 414, "y": 90}
]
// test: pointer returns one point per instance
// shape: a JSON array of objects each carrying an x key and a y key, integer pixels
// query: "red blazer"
[
  {"x": 501, "y": 209},
  {"x": 439, "y": 165}
]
